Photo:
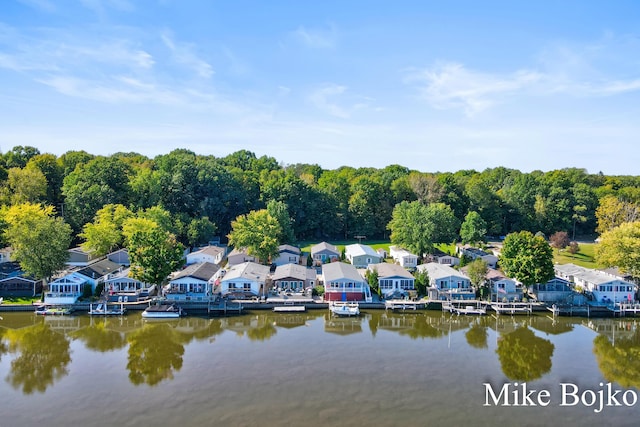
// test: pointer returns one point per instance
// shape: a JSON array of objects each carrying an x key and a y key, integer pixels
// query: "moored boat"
[
  {"x": 48, "y": 310},
  {"x": 344, "y": 309},
  {"x": 163, "y": 311}
]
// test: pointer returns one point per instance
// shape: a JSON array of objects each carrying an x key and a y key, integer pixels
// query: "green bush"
[{"x": 317, "y": 291}]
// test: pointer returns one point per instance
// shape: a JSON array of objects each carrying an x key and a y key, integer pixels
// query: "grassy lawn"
[
  {"x": 583, "y": 258},
  {"x": 20, "y": 300}
]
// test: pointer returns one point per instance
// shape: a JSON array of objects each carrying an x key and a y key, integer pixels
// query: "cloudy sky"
[{"x": 431, "y": 85}]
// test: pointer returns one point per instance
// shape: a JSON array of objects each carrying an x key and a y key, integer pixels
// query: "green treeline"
[{"x": 322, "y": 204}]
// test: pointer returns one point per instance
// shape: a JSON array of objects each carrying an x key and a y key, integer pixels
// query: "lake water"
[{"x": 309, "y": 369}]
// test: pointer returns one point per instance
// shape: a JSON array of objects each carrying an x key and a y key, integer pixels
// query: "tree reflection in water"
[
  {"x": 97, "y": 337},
  {"x": 477, "y": 336},
  {"x": 524, "y": 356},
  {"x": 155, "y": 352},
  {"x": 44, "y": 356},
  {"x": 619, "y": 361}
]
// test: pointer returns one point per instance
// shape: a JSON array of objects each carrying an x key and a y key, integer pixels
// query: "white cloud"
[
  {"x": 184, "y": 54},
  {"x": 317, "y": 38},
  {"x": 451, "y": 85},
  {"x": 324, "y": 99}
]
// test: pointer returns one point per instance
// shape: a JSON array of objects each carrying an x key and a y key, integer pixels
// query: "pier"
[
  {"x": 512, "y": 307},
  {"x": 399, "y": 304}
]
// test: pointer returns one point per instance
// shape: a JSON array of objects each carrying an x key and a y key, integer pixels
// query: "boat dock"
[
  {"x": 512, "y": 307},
  {"x": 622, "y": 309},
  {"x": 289, "y": 308},
  {"x": 400, "y": 304}
]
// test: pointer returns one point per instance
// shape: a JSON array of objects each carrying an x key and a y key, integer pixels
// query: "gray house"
[{"x": 324, "y": 252}]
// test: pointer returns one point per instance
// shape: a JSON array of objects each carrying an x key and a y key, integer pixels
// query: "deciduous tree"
[
  {"x": 527, "y": 258},
  {"x": 154, "y": 252},
  {"x": 39, "y": 239},
  {"x": 257, "y": 231},
  {"x": 620, "y": 247},
  {"x": 473, "y": 229}
]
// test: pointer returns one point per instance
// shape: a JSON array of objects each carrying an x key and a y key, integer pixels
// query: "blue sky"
[{"x": 434, "y": 86}]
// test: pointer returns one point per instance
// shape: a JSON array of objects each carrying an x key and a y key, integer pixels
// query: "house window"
[{"x": 246, "y": 286}]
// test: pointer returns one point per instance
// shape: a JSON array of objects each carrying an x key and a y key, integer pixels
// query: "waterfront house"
[
  {"x": 121, "y": 287},
  {"x": 342, "y": 282},
  {"x": 403, "y": 257},
  {"x": 211, "y": 254},
  {"x": 554, "y": 291},
  {"x": 447, "y": 283},
  {"x": 293, "y": 277},
  {"x": 475, "y": 253},
  {"x": 66, "y": 289},
  {"x": 79, "y": 257},
  {"x": 502, "y": 288},
  {"x": 601, "y": 286},
  {"x": 324, "y": 252},
  {"x": 360, "y": 256},
  {"x": 287, "y": 254},
  {"x": 17, "y": 286},
  {"x": 394, "y": 280},
  {"x": 10, "y": 269},
  {"x": 120, "y": 257},
  {"x": 239, "y": 256},
  {"x": 193, "y": 283},
  {"x": 244, "y": 280}
]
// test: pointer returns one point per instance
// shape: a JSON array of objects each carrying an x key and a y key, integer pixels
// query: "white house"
[
  {"x": 246, "y": 279},
  {"x": 475, "y": 253},
  {"x": 360, "y": 256},
  {"x": 445, "y": 282},
  {"x": 287, "y": 254},
  {"x": 403, "y": 257},
  {"x": 193, "y": 283},
  {"x": 211, "y": 254},
  {"x": 67, "y": 289},
  {"x": 602, "y": 286},
  {"x": 393, "y": 279},
  {"x": 342, "y": 282}
]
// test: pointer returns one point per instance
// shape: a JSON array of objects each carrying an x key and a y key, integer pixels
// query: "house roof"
[
  {"x": 290, "y": 270},
  {"x": 289, "y": 248},
  {"x": 324, "y": 246},
  {"x": 596, "y": 277},
  {"x": 437, "y": 271},
  {"x": 358, "y": 249},
  {"x": 200, "y": 270},
  {"x": 339, "y": 270},
  {"x": 398, "y": 251},
  {"x": 239, "y": 251},
  {"x": 209, "y": 250},
  {"x": 390, "y": 270},
  {"x": 99, "y": 269},
  {"x": 248, "y": 270}
]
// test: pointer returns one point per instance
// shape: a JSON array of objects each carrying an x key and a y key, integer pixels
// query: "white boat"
[
  {"x": 163, "y": 311},
  {"x": 344, "y": 309},
  {"x": 461, "y": 308},
  {"x": 103, "y": 309},
  {"x": 48, "y": 310}
]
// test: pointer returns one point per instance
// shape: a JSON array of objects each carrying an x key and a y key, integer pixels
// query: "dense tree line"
[{"x": 321, "y": 204}]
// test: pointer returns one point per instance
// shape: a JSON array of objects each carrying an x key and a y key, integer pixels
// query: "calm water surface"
[{"x": 309, "y": 369}]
